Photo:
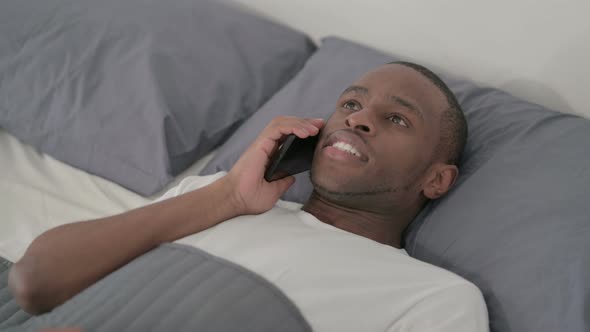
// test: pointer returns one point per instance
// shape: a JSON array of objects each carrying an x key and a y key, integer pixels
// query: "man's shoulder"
[
  {"x": 452, "y": 302},
  {"x": 443, "y": 280},
  {"x": 459, "y": 307}
]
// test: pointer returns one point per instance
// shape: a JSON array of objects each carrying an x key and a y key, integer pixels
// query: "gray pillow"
[
  {"x": 133, "y": 90},
  {"x": 517, "y": 223}
]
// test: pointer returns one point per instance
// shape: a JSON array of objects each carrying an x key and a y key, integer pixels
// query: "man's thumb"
[{"x": 284, "y": 183}]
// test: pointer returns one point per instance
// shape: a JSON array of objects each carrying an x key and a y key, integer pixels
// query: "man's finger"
[
  {"x": 277, "y": 130},
  {"x": 302, "y": 128},
  {"x": 317, "y": 122},
  {"x": 311, "y": 124}
]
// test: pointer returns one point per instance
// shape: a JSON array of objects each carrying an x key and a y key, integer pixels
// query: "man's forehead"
[
  {"x": 398, "y": 79},
  {"x": 394, "y": 74}
]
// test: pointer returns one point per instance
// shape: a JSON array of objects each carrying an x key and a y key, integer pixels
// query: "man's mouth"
[
  {"x": 347, "y": 143},
  {"x": 342, "y": 146}
]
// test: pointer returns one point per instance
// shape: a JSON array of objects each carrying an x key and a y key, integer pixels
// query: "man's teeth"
[{"x": 346, "y": 148}]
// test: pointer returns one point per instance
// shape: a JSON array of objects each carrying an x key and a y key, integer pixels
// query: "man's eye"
[
  {"x": 351, "y": 105},
  {"x": 398, "y": 120}
]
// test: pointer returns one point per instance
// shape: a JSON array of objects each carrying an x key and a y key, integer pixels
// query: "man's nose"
[{"x": 360, "y": 120}]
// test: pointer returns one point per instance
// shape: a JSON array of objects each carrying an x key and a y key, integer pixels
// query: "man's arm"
[{"x": 65, "y": 260}]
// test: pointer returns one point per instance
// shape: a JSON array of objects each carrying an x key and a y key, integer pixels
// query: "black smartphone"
[{"x": 293, "y": 156}]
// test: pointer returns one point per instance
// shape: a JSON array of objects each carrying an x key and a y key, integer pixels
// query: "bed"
[{"x": 517, "y": 224}]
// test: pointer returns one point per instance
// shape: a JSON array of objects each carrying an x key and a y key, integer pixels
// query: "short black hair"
[{"x": 453, "y": 135}]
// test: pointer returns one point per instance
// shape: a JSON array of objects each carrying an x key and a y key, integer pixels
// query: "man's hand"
[{"x": 253, "y": 194}]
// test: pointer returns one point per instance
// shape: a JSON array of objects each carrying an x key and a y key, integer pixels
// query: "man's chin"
[
  {"x": 336, "y": 172},
  {"x": 331, "y": 184}
]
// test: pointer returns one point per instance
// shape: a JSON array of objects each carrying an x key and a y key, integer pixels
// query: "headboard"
[{"x": 534, "y": 49}]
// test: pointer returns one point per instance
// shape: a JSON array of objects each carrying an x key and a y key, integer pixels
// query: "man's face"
[{"x": 380, "y": 140}]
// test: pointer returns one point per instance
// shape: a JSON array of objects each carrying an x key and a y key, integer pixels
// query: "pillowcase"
[
  {"x": 133, "y": 90},
  {"x": 517, "y": 223}
]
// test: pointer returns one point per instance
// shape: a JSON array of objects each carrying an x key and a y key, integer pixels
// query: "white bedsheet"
[{"x": 38, "y": 192}]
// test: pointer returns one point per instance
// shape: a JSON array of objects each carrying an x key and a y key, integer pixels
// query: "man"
[{"x": 391, "y": 145}]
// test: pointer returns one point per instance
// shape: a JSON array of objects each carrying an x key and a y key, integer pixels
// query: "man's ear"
[{"x": 440, "y": 180}]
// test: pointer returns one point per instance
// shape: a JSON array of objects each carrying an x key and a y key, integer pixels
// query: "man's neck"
[{"x": 383, "y": 228}]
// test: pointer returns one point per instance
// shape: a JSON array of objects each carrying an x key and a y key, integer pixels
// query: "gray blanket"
[{"x": 171, "y": 288}]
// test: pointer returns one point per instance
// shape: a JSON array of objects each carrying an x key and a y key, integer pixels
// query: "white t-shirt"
[{"x": 339, "y": 280}]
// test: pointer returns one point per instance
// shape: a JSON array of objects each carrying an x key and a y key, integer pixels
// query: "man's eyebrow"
[
  {"x": 355, "y": 88},
  {"x": 408, "y": 105}
]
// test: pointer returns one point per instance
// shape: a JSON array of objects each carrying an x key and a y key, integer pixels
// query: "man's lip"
[{"x": 349, "y": 137}]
